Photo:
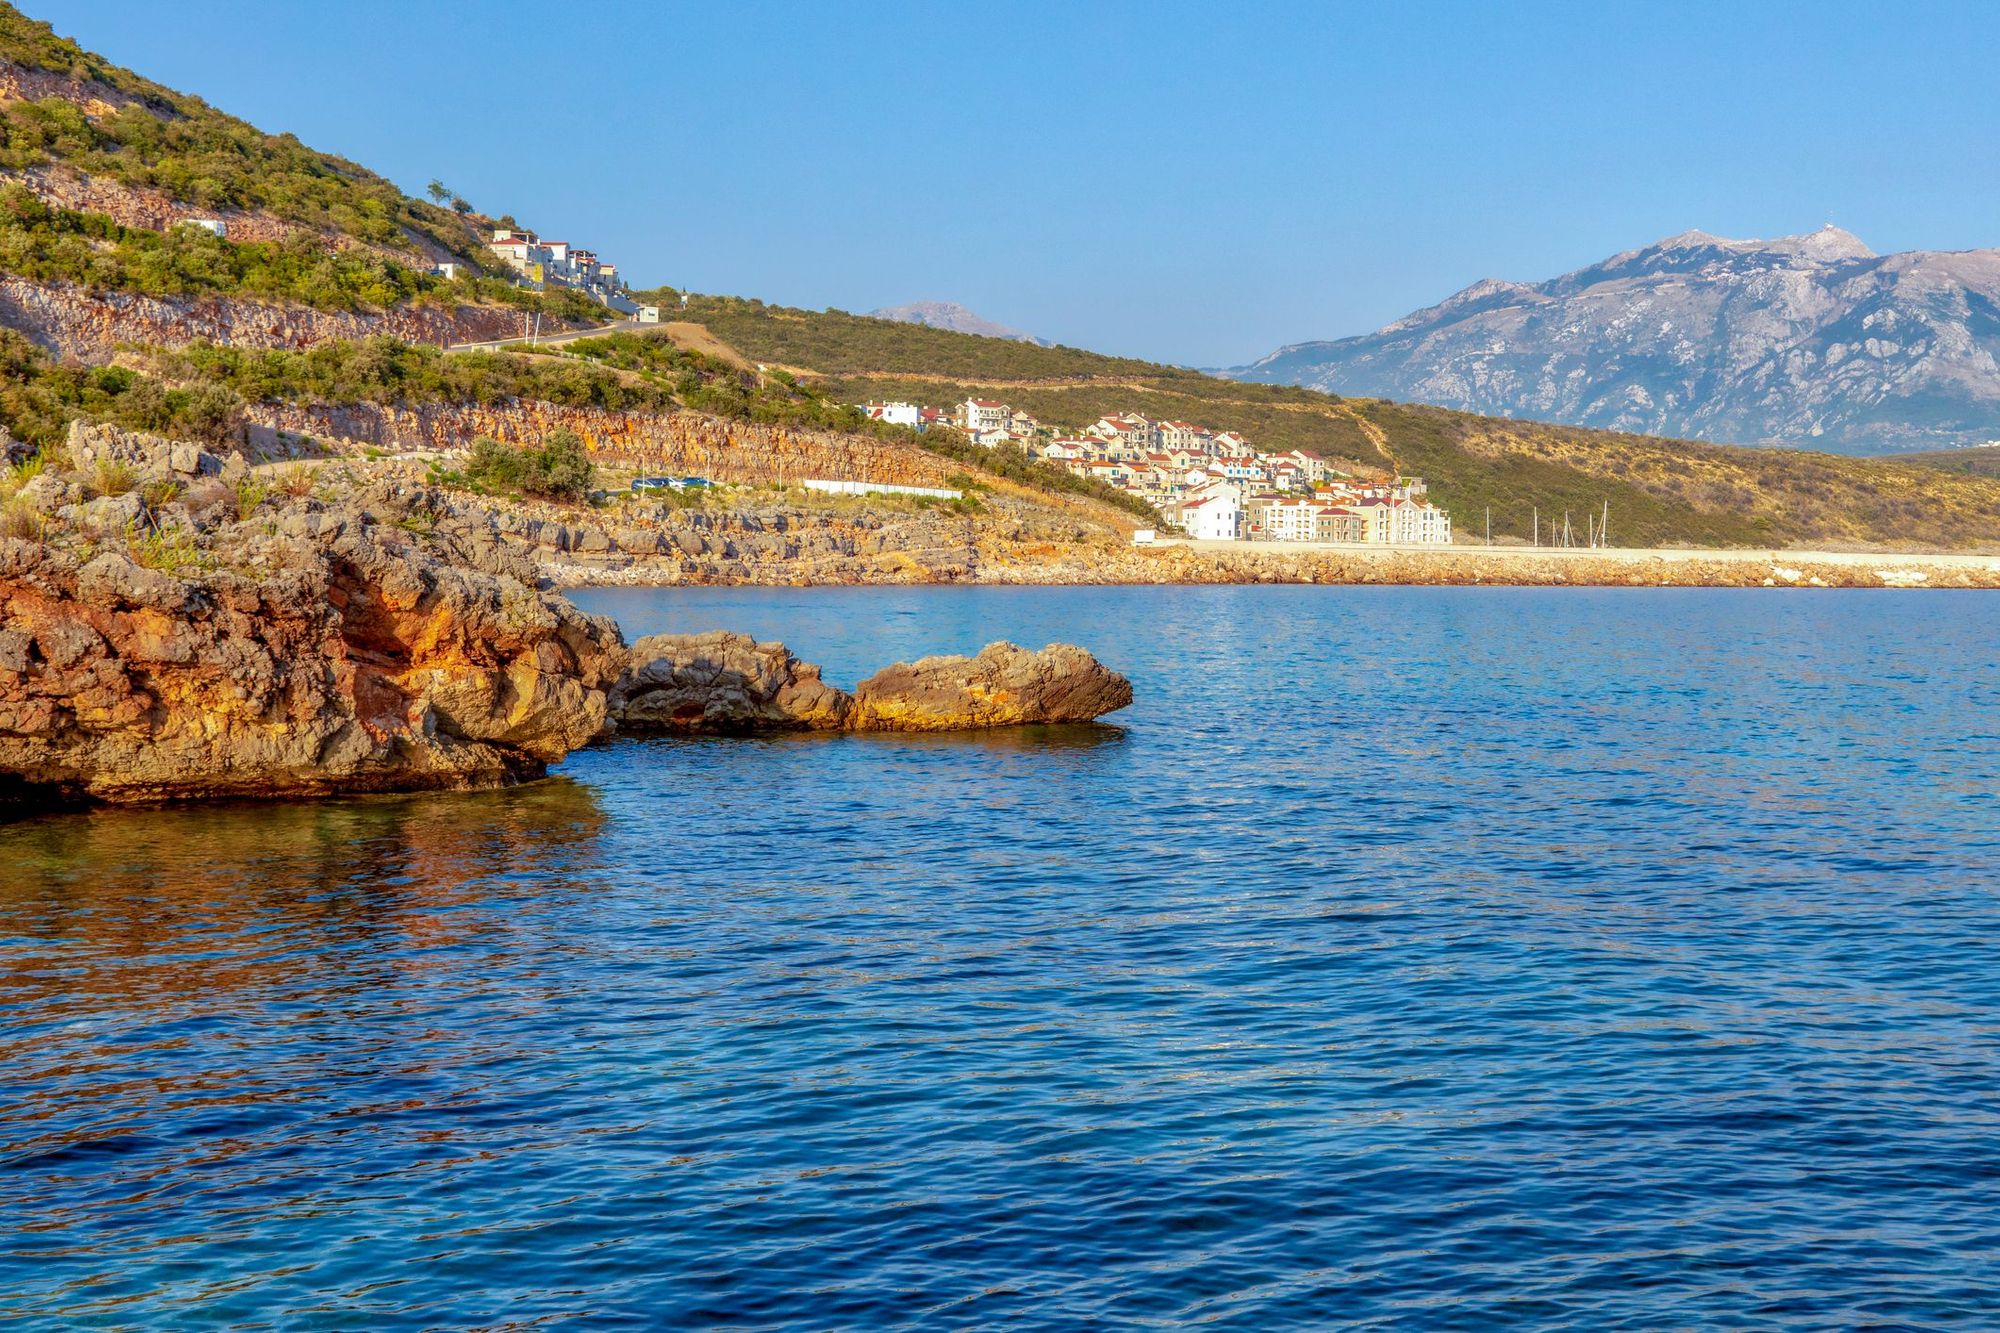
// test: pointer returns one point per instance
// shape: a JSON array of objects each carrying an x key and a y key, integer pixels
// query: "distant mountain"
[
  {"x": 954, "y": 317},
  {"x": 1808, "y": 340}
]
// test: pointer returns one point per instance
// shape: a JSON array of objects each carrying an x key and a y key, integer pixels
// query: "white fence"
[{"x": 871, "y": 487}]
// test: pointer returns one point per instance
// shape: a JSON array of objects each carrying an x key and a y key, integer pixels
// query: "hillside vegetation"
[
  {"x": 170, "y": 141},
  {"x": 1978, "y": 461},
  {"x": 1659, "y": 491},
  {"x": 347, "y": 239}
]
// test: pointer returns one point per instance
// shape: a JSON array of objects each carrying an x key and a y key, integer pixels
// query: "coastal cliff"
[{"x": 171, "y": 634}]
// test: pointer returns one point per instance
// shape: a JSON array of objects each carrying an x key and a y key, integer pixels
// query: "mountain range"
[
  {"x": 1812, "y": 341},
  {"x": 954, "y": 318}
]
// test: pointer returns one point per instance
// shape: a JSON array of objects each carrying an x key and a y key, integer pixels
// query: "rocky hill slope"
[{"x": 1812, "y": 341}]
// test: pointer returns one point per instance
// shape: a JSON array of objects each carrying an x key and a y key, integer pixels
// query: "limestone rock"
[
  {"x": 358, "y": 659},
  {"x": 91, "y": 443},
  {"x": 1004, "y": 686},
  {"x": 722, "y": 682}
]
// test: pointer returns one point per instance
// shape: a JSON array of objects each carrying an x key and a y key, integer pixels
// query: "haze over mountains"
[
  {"x": 1811, "y": 340},
  {"x": 954, "y": 318}
]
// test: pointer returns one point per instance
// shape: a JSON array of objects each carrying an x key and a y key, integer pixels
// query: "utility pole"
[
  {"x": 1489, "y": 525},
  {"x": 1538, "y": 525},
  {"x": 1604, "y": 525}
]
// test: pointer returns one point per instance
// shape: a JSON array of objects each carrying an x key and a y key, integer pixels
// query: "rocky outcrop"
[
  {"x": 224, "y": 645},
  {"x": 90, "y": 326},
  {"x": 154, "y": 209},
  {"x": 729, "y": 683},
  {"x": 19, "y": 83},
  {"x": 1004, "y": 686},
  {"x": 723, "y": 682}
]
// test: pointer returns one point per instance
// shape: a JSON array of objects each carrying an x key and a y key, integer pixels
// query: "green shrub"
[{"x": 559, "y": 469}]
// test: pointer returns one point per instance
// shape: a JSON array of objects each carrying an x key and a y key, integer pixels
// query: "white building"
[
  {"x": 896, "y": 414},
  {"x": 1214, "y": 517},
  {"x": 978, "y": 414}
]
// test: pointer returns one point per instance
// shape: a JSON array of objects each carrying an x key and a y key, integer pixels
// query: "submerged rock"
[{"x": 729, "y": 683}]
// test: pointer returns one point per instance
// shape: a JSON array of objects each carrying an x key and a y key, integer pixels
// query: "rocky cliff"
[
  {"x": 186, "y": 638},
  {"x": 1811, "y": 340},
  {"x": 90, "y": 326},
  {"x": 177, "y": 625}
]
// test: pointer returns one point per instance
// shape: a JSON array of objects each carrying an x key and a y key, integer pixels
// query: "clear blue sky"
[{"x": 1195, "y": 183}]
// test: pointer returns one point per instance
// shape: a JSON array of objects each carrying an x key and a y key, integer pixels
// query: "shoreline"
[{"x": 1194, "y": 563}]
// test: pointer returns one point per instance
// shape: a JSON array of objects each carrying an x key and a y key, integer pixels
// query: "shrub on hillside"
[{"x": 559, "y": 469}]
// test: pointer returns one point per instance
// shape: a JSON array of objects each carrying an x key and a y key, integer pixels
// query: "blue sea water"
[{"x": 1412, "y": 958}]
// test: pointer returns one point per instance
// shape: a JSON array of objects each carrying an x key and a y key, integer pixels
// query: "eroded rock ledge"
[{"x": 731, "y": 684}]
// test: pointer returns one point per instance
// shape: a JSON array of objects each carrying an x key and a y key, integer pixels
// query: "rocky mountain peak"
[{"x": 1809, "y": 340}]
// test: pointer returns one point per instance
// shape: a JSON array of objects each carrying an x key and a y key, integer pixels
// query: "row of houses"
[
  {"x": 1392, "y": 513},
  {"x": 1213, "y": 484},
  {"x": 544, "y": 263}
]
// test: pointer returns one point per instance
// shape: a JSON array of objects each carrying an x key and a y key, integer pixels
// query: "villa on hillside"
[{"x": 542, "y": 264}]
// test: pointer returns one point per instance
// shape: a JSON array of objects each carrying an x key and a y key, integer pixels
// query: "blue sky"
[{"x": 1192, "y": 183}]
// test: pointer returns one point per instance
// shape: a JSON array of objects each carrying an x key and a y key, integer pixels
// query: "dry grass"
[
  {"x": 111, "y": 477},
  {"x": 21, "y": 521}
]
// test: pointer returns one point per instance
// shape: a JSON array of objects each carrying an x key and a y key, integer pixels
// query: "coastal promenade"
[{"x": 1756, "y": 555}]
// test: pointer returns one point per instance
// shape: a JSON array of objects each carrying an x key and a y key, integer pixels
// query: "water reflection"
[
  {"x": 1524, "y": 952},
  {"x": 1080, "y": 736}
]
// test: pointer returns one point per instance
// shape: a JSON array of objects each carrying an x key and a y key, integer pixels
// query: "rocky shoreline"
[
  {"x": 978, "y": 558},
  {"x": 175, "y": 628}
]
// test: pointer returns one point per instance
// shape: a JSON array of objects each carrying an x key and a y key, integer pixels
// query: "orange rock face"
[
  {"x": 722, "y": 682},
  {"x": 368, "y": 664}
]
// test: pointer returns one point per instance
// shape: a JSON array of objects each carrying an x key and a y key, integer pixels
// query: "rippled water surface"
[{"x": 1422, "y": 958}]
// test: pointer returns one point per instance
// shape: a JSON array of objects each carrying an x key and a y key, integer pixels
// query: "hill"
[
  {"x": 953, "y": 316},
  {"x": 101, "y": 168},
  {"x": 1812, "y": 341},
  {"x": 1660, "y": 491},
  {"x": 72, "y": 121}
]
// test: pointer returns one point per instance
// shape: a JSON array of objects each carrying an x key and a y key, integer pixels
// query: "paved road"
[{"x": 552, "y": 339}]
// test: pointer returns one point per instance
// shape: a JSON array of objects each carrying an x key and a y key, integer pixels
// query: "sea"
[{"x": 1438, "y": 958}]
